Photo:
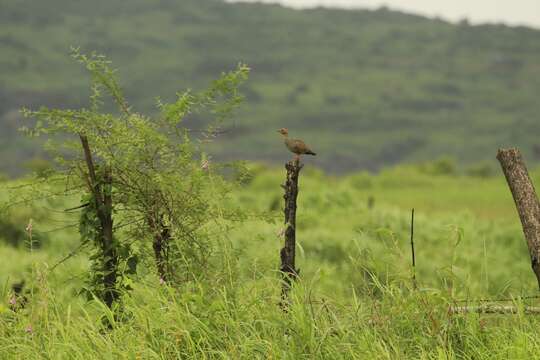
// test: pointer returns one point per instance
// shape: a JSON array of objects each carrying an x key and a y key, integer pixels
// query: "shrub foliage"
[{"x": 145, "y": 182}]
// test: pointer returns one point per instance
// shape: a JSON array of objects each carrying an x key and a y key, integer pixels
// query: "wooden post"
[
  {"x": 102, "y": 194},
  {"x": 108, "y": 244},
  {"x": 526, "y": 201},
  {"x": 162, "y": 236},
  {"x": 288, "y": 268}
]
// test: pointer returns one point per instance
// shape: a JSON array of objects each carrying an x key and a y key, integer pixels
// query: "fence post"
[
  {"x": 101, "y": 190},
  {"x": 526, "y": 201},
  {"x": 287, "y": 254}
]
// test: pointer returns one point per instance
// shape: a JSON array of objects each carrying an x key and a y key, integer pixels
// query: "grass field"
[{"x": 355, "y": 299}]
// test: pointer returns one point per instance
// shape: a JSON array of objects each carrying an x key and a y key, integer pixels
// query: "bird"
[{"x": 296, "y": 146}]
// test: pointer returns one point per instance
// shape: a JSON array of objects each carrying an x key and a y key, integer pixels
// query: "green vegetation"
[
  {"x": 139, "y": 211},
  {"x": 142, "y": 180},
  {"x": 364, "y": 88},
  {"x": 355, "y": 299}
]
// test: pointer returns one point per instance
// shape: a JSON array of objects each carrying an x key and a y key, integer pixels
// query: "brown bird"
[{"x": 296, "y": 146}]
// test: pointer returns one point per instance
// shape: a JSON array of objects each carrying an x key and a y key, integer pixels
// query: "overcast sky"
[{"x": 514, "y": 12}]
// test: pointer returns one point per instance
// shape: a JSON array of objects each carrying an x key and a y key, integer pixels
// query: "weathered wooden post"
[
  {"x": 288, "y": 267},
  {"x": 101, "y": 190},
  {"x": 526, "y": 201},
  {"x": 162, "y": 237}
]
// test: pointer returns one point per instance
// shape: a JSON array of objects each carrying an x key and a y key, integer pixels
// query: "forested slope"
[{"x": 364, "y": 88}]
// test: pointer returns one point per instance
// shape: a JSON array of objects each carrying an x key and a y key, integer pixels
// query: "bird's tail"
[{"x": 309, "y": 152}]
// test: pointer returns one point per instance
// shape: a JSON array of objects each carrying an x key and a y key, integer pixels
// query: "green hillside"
[{"x": 364, "y": 88}]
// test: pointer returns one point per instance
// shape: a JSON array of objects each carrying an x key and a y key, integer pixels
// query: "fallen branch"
[
  {"x": 507, "y": 299},
  {"x": 493, "y": 309}
]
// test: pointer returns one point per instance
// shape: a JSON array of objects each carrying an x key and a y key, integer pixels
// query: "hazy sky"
[{"x": 515, "y": 12}]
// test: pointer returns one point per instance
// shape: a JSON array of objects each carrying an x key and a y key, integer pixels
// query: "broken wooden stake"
[
  {"x": 287, "y": 254},
  {"x": 526, "y": 201}
]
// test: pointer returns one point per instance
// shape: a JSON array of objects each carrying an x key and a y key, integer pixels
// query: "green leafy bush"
[{"x": 145, "y": 174}]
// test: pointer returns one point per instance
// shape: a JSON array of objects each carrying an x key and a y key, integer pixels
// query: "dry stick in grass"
[
  {"x": 412, "y": 251},
  {"x": 288, "y": 269},
  {"x": 526, "y": 201}
]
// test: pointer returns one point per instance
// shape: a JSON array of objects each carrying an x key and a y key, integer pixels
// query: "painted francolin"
[{"x": 296, "y": 146}]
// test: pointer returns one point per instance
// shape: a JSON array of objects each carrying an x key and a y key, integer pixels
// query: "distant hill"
[{"x": 365, "y": 88}]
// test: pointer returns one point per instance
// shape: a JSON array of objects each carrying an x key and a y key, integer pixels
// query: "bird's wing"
[{"x": 298, "y": 146}]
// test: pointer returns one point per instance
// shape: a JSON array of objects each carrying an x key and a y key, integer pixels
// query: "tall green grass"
[{"x": 355, "y": 299}]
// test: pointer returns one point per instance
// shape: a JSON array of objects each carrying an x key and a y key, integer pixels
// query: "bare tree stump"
[
  {"x": 526, "y": 201},
  {"x": 288, "y": 252}
]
